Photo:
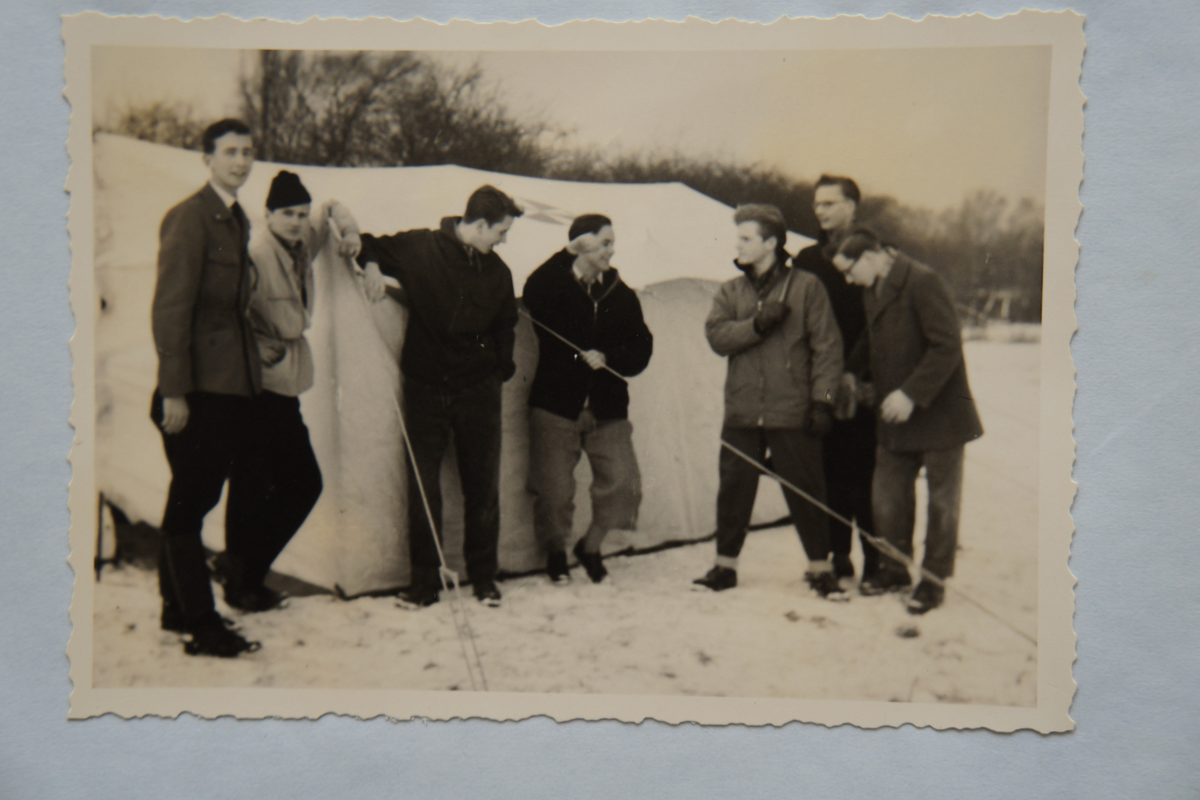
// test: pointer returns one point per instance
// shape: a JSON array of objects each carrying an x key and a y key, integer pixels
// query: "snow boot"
[
  {"x": 487, "y": 593},
  {"x": 210, "y": 637},
  {"x": 825, "y": 584}
]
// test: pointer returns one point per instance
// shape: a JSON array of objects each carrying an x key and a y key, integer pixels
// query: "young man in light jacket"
[
  {"x": 776, "y": 327},
  {"x": 277, "y": 481}
]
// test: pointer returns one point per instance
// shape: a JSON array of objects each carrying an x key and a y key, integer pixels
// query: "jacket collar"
[
  {"x": 565, "y": 260},
  {"x": 214, "y": 204}
]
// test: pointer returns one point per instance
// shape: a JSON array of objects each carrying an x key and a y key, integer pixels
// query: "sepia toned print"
[{"x": 802, "y": 293}]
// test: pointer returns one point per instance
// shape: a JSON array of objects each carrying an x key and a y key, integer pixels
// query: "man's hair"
[
  {"x": 858, "y": 242},
  {"x": 491, "y": 205},
  {"x": 769, "y": 218},
  {"x": 847, "y": 185},
  {"x": 219, "y": 129},
  {"x": 587, "y": 223}
]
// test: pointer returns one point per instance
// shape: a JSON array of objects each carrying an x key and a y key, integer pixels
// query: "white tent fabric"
[{"x": 672, "y": 243}]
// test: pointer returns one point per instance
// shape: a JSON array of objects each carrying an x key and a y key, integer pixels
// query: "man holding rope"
[
  {"x": 591, "y": 337},
  {"x": 458, "y": 351},
  {"x": 777, "y": 328},
  {"x": 913, "y": 349}
]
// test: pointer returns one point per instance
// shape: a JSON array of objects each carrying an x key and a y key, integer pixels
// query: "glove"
[
  {"x": 770, "y": 316},
  {"x": 820, "y": 420}
]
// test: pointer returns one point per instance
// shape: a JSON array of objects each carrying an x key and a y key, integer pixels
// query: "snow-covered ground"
[{"x": 644, "y": 632}]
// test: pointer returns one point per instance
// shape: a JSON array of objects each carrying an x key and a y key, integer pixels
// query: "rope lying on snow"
[{"x": 881, "y": 544}]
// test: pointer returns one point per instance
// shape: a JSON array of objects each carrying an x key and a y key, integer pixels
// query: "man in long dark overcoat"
[{"x": 914, "y": 351}]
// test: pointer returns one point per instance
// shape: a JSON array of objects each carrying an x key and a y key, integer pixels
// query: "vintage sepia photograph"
[{"x": 694, "y": 372}]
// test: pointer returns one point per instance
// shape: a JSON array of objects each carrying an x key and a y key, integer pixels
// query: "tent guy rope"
[{"x": 881, "y": 544}]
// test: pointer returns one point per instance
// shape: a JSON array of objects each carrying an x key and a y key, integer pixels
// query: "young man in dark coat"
[
  {"x": 913, "y": 351},
  {"x": 576, "y": 404},
  {"x": 208, "y": 373},
  {"x": 776, "y": 327},
  {"x": 458, "y": 351},
  {"x": 850, "y": 446}
]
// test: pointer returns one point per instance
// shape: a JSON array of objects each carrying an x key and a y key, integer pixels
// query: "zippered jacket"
[
  {"x": 772, "y": 379},
  {"x": 612, "y": 324},
  {"x": 282, "y": 301},
  {"x": 462, "y": 312}
]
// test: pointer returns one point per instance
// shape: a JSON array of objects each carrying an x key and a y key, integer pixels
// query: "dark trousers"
[
  {"x": 472, "y": 414},
  {"x": 201, "y": 458},
  {"x": 796, "y": 457},
  {"x": 273, "y": 485},
  {"x": 896, "y": 504},
  {"x": 849, "y": 471}
]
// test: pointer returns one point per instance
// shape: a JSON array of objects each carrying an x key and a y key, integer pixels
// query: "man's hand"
[
  {"x": 897, "y": 408},
  {"x": 271, "y": 351},
  {"x": 820, "y": 419},
  {"x": 350, "y": 245},
  {"x": 847, "y": 401},
  {"x": 770, "y": 315},
  {"x": 373, "y": 283},
  {"x": 175, "y": 414},
  {"x": 594, "y": 359}
]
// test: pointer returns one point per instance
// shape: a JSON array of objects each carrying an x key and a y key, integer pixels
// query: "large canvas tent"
[{"x": 673, "y": 243}]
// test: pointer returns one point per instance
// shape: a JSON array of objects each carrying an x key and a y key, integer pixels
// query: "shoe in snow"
[
  {"x": 825, "y": 584},
  {"x": 592, "y": 563},
  {"x": 487, "y": 593},
  {"x": 883, "y": 582},
  {"x": 419, "y": 595},
  {"x": 212, "y": 638},
  {"x": 928, "y": 596},
  {"x": 718, "y": 579},
  {"x": 557, "y": 569}
]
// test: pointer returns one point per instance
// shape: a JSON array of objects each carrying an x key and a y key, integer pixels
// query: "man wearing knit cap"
[
  {"x": 776, "y": 327},
  {"x": 458, "y": 352},
  {"x": 276, "y": 481},
  {"x": 208, "y": 374},
  {"x": 576, "y": 404}
]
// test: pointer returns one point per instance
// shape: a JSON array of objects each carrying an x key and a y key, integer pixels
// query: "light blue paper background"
[{"x": 1135, "y": 553}]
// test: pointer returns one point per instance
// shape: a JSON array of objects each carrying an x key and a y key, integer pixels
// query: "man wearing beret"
[
  {"x": 275, "y": 481},
  {"x": 208, "y": 373},
  {"x": 913, "y": 351},
  {"x": 576, "y": 404},
  {"x": 776, "y": 328},
  {"x": 457, "y": 353}
]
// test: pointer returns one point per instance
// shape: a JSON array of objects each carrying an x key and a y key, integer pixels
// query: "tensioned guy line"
[{"x": 881, "y": 544}]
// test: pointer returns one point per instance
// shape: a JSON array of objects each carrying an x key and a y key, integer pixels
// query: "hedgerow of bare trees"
[{"x": 350, "y": 109}]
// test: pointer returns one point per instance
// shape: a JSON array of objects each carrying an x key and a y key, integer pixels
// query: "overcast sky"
[{"x": 927, "y": 126}]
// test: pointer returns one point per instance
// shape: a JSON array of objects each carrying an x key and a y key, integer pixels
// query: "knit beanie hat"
[{"x": 287, "y": 191}]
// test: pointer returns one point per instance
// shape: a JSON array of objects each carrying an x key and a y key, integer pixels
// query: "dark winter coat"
[
  {"x": 612, "y": 324},
  {"x": 850, "y": 446},
  {"x": 462, "y": 311},
  {"x": 914, "y": 343},
  {"x": 198, "y": 316},
  {"x": 772, "y": 379}
]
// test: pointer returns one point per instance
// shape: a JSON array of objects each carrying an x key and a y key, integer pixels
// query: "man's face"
[
  {"x": 231, "y": 160},
  {"x": 751, "y": 247},
  {"x": 492, "y": 235},
  {"x": 288, "y": 223},
  {"x": 834, "y": 211},
  {"x": 863, "y": 270},
  {"x": 603, "y": 244}
]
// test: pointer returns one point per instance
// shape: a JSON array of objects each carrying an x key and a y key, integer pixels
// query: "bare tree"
[
  {"x": 161, "y": 122},
  {"x": 383, "y": 109}
]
